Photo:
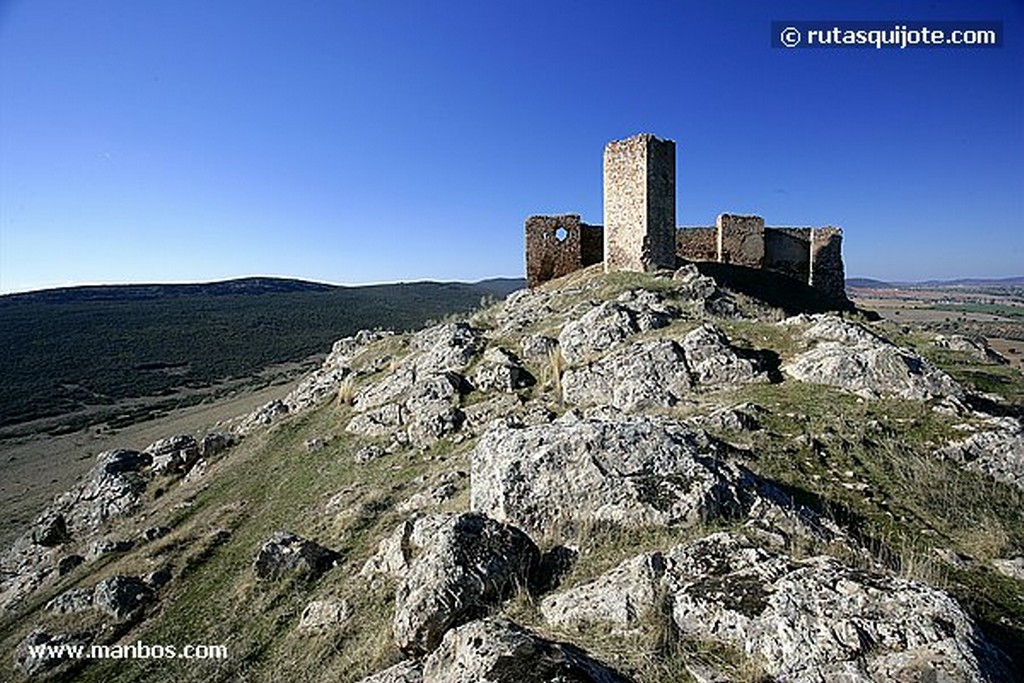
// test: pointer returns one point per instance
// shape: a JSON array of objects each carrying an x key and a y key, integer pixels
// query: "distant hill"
[
  {"x": 250, "y": 285},
  {"x": 869, "y": 283},
  {"x": 866, "y": 283},
  {"x": 64, "y": 349}
]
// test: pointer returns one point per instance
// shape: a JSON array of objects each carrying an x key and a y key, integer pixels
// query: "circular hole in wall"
[{"x": 561, "y": 233}]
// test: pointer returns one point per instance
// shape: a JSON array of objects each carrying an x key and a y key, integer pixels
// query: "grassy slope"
[{"x": 865, "y": 463}]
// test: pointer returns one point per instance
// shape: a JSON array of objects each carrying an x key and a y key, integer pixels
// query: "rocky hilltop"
[{"x": 608, "y": 478}]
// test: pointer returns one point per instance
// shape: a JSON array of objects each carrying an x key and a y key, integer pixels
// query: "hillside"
[
  {"x": 622, "y": 477},
  {"x": 64, "y": 350}
]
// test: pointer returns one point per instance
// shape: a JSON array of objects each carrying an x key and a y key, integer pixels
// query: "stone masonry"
[
  {"x": 639, "y": 232},
  {"x": 559, "y": 245},
  {"x": 740, "y": 240},
  {"x": 639, "y": 204}
]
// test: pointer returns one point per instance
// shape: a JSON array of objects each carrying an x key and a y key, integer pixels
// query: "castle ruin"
[{"x": 639, "y": 231}]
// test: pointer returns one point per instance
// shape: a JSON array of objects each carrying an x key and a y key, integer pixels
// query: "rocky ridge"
[{"x": 591, "y": 404}]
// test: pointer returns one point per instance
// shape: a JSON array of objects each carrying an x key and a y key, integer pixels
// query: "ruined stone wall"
[
  {"x": 697, "y": 243},
  {"x": 788, "y": 251},
  {"x": 558, "y": 245},
  {"x": 827, "y": 272},
  {"x": 639, "y": 203},
  {"x": 740, "y": 240}
]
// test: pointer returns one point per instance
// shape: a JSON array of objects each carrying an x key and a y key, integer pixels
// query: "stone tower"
[{"x": 639, "y": 204}]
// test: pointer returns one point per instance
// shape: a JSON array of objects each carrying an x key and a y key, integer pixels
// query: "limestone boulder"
[
  {"x": 174, "y": 454},
  {"x": 634, "y": 377},
  {"x": 112, "y": 488},
  {"x": 50, "y": 529},
  {"x": 71, "y": 602},
  {"x": 633, "y": 471},
  {"x": 320, "y": 616},
  {"x": 611, "y": 322},
  {"x": 446, "y": 347},
  {"x": 809, "y": 620},
  {"x": 714, "y": 363},
  {"x": 263, "y": 416},
  {"x": 31, "y": 665},
  {"x": 408, "y": 671},
  {"x": 460, "y": 567},
  {"x": 501, "y": 371},
  {"x": 410, "y": 406},
  {"x": 499, "y": 651},
  {"x": 215, "y": 443},
  {"x": 537, "y": 345},
  {"x": 287, "y": 554},
  {"x": 622, "y": 598},
  {"x": 817, "y": 619},
  {"x": 850, "y": 357},
  {"x": 122, "y": 597},
  {"x": 976, "y": 347},
  {"x": 324, "y": 382},
  {"x": 997, "y": 452}
]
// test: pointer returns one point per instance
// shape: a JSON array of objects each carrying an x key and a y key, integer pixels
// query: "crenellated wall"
[{"x": 640, "y": 234}]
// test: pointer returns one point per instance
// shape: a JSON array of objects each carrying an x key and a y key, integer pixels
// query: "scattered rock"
[
  {"x": 409, "y": 671},
  {"x": 976, "y": 347},
  {"x": 30, "y": 665},
  {"x": 155, "y": 532},
  {"x": 439, "y": 494},
  {"x": 537, "y": 345},
  {"x": 72, "y": 601},
  {"x": 261, "y": 417},
  {"x": 198, "y": 471},
  {"x": 997, "y": 453},
  {"x": 324, "y": 615},
  {"x": 369, "y": 453},
  {"x": 67, "y": 564},
  {"x": 314, "y": 445},
  {"x": 1014, "y": 568},
  {"x": 715, "y": 363},
  {"x": 692, "y": 284},
  {"x": 500, "y": 370},
  {"x": 286, "y": 554},
  {"x": 175, "y": 454},
  {"x": 447, "y": 347},
  {"x": 122, "y": 597},
  {"x": 410, "y": 406},
  {"x": 466, "y": 564},
  {"x": 504, "y": 406},
  {"x": 50, "y": 530},
  {"x": 661, "y": 373},
  {"x": 498, "y": 651},
  {"x": 105, "y": 546},
  {"x": 741, "y": 418},
  {"x": 214, "y": 444},
  {"x": 623, "y": 597}
]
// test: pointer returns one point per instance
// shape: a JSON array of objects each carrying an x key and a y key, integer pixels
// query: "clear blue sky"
[{"x": 366, "y": 141}]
